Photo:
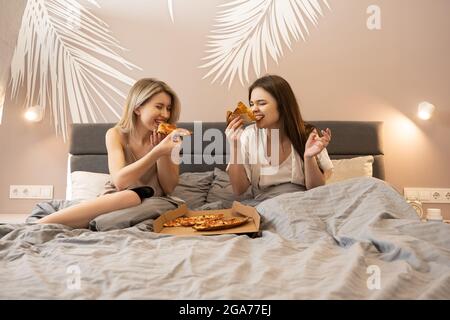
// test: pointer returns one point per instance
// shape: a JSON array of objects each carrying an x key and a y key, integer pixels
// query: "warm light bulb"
[
  {"x": 31, "y": 115},
  {"x": 425, "y": 110},
  {"x": 34, "y": 114}
]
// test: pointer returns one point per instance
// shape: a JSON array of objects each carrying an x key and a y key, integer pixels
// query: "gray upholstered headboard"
[{"x": 350, "y": 139}]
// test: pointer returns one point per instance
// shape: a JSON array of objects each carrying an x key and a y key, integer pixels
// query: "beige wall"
[{"x": 343, "y": 72}]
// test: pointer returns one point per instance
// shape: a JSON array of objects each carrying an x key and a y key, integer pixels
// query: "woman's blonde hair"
[{"x": 141, "y": 92}]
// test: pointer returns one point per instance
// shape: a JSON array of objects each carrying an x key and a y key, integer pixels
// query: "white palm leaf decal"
[
  {"x": 60, "y": 58},
  {"x": 170, "y": 4},
  {"x": 248, "y": 29}
]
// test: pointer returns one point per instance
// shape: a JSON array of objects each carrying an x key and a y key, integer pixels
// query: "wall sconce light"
[
  {"x": 34, "y": 113},
  {"x": 425, "y": 110}
]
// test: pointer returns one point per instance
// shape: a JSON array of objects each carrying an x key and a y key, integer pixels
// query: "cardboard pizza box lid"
[{"x": 238, "y": 209}]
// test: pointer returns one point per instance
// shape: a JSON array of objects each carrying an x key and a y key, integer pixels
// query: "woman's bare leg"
[{"x": 79, "y": 216}]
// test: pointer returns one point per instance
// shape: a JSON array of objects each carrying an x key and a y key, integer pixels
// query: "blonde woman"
[{"x": 139, "y": 158}]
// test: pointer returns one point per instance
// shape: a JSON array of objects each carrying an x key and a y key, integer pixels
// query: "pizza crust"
[
  {"x": 243, "y": 111},
  {"x": 221, "y": 224},
  {"x": 167, "y": 128},
  {"x": 192, "y": 221},
  {"x": 207, "y": 222}
]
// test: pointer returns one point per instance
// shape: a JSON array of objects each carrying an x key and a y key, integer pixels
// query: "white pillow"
[
  {"x": 87, "y": 185},
  {"x": 351, "y": 168}
]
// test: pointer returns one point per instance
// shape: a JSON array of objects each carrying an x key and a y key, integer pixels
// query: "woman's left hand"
[{"x": 316, "y": 144}]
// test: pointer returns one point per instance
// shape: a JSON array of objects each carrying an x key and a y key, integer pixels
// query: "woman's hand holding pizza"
[
  {"x": 164, "y": 144},
  {"x": 234, "y": 130}
]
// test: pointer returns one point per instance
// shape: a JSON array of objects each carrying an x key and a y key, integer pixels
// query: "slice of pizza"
[
  {"x": 175, "y": 222},
  {"x": 188, "y": 222},
  {"x": 208, "y": 217},
  {"x": 241, "y": 110},
  {"x": 220, "y": 224},
  {"x": 166, "y": 128},
  {"x": 192, "y": 221},
  {"x": 195, "y": 220}
]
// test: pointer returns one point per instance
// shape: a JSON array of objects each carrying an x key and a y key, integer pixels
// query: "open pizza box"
[{"x": 237, "y": 210}]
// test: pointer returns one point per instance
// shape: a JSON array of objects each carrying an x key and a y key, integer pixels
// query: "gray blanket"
[{"x": 356, "y": 239}]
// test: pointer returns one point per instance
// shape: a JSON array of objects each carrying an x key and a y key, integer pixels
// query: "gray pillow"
[
  {"x": 221, "y": 190},
  {"x": 193, "y": 188}
]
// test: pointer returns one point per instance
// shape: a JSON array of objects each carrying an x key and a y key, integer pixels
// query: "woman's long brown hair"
[{"x": 292, "y": 124}]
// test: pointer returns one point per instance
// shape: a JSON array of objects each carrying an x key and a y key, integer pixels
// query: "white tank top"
[{"x": 283, "y": 175}]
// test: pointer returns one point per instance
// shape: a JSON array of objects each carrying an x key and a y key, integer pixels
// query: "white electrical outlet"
[
  {"x": 31, "y": 192},
  {"x": 428, "y": 195}
]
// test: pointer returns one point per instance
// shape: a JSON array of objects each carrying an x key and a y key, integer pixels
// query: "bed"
[{"x": 353, "y": 239}]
